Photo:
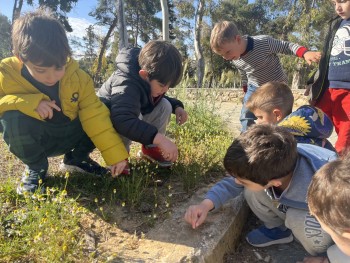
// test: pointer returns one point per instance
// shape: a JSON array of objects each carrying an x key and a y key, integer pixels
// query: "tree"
[
  {"x": 5, "y": 36},
  {"x": 106, "y": 15},
  {"x": 142, "y": 21},
  {"x": 197, "y": 42},
  {"x": 123, "y": 35},
  {"x": 90, "y": 46},
  {"x": 59, "y": 7},
  {"x": 165, "y": 21}
]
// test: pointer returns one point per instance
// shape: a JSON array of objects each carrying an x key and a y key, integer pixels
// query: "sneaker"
[
  {"x": 87, "y": 166},
  {"x": 154, "y": 154},
  {"x": 263, "y": 237},
  {"x": 31, "y": 181}
]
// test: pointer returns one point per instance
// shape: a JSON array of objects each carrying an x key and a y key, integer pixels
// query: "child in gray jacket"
[{"x": 274, "y": 173}]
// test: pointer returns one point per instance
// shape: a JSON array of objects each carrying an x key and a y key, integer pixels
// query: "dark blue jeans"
[{"x": 247, "y": 118}]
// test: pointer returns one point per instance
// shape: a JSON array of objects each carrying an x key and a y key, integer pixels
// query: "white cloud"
[{"x": 79, "y": 26}]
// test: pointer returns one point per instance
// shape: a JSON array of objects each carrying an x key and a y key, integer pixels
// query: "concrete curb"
[{"x": 175, "y": 241}]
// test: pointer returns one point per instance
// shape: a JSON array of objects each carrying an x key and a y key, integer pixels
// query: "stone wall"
[{"x": 225, "y": 95}]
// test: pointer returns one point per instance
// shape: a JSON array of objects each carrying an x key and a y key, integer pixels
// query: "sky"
[{"x": 78, "y": 17}]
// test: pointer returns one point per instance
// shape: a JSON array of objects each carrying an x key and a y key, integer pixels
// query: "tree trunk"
[
  {"x": 17, "y": 7},
  {"x": 104, "y": 42},
  {"x": 123, "y": 36},
  {"x": 298, "y": 76},
  {"x": 197, "y": 43},
  {"x": 165, "y": 24}
]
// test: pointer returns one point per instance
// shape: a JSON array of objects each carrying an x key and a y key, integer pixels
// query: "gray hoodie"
[{"x": 310, "y": 159}]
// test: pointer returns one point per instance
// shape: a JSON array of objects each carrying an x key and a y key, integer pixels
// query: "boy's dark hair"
[
  {"x": 329, "y": 194},
  {"x": 270, "y": 96},
  {"x": 162, "y": 61},
  {"x": 40, "y": 38},
  {"x": 262, "y": 153}
]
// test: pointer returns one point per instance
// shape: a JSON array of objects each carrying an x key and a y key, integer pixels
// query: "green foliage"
[
  {"x": 5, "y": 36},
  {"x": 202, "y": 141},
  {"x": 48, "y": 228},
  {"x": 39, "y": 228}
]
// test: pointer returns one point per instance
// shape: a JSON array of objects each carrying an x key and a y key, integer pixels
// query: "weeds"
[{"x": 48, "y": 228}]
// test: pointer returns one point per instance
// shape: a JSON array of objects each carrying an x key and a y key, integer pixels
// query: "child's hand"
[
  {"x": 196, "y": 214},
  {"x": 314, "y": 260},
  {"x": 117, "y": 169},
  {"x": 168, "y": 148},
  {"x": 181, "y": 115},
  {"x": 312, "y": 56},
  {"x": 45, "y": 109}
]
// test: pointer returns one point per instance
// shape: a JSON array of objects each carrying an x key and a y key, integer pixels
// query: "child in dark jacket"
[
  {"x": 135, "y": 94},
  {"x": 330, "y": 88}
]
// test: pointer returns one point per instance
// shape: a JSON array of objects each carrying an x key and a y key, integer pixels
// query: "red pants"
[{"x": 336, "y": 104}]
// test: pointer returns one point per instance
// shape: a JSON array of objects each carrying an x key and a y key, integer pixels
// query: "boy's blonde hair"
[
  {"x": 329, "y": 194},
  {"x": 223, "y": 32},
  {"x": 270, "y": 96}
]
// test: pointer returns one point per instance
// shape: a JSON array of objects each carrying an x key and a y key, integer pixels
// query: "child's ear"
[
  {"x": 143, "y": 74},
  {"x": 278, "y": 114},
  {"x": 275, "y": 183},
  {"x": 238, "y": 39}
]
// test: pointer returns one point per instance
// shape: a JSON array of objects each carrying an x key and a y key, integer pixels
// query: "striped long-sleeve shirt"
[{"x": 260, "y": 63}]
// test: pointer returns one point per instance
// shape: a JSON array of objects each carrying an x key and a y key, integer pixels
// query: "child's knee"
[
  {"x": 165, "y": 107},
  {"x": 308, "y": 231}
]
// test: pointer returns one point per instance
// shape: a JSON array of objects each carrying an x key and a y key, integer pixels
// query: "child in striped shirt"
[{"x": 256, "y": 59}]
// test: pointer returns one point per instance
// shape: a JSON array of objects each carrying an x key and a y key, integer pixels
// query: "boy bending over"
[
  {"x": 256, "y": 58},
  {"x": 267, "y": 161},
  {"x": 135, "y": 94}
]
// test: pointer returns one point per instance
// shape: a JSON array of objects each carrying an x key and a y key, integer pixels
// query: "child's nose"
[{"x": 51, "y": 77}]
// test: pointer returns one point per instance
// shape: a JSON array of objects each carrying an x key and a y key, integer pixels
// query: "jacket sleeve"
[
  {"x": 175, "y": 103},
  {"x": 96, "y": 122},
  {"x": 223, "y": 191},
  {"x": 125, "y": 112},
  {"x": 23, "y": 102},
  {"x": 283, "y": 47}
]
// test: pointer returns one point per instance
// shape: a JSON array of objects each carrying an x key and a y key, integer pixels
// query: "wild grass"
[{"x": 52, "y": 227}]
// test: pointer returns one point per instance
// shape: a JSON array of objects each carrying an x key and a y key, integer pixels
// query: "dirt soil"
[{"x": 126, "y": 228}]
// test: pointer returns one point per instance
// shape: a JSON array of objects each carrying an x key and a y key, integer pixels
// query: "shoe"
[
  {"x": 154, "y": 154},
  {"x": 31, "y": 181},
  {"x": 263, "y": 237},
  {"x": 87, "y": 166}
]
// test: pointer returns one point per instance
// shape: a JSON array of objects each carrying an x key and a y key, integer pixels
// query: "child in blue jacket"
[{"x": 267, "y": 161}]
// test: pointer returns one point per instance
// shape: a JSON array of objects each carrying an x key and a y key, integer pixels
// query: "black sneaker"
[
  {"x": 31, "y": 181},
  {"x": 87, "y": 167}
]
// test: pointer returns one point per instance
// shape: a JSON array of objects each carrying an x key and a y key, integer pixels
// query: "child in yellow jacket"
[{"x": 48, "y": 105}]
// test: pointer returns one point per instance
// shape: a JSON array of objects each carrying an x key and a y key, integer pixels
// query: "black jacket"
[
  {"x": 127, "y": 95},
  {"x": 320, "y": 80}
]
